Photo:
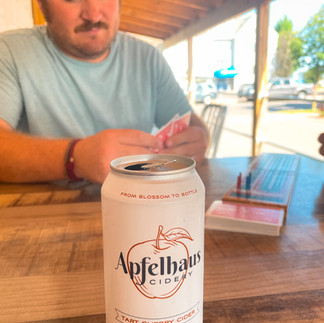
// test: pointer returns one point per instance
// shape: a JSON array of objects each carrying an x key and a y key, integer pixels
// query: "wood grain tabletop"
[{"x": 51, "y": 257}]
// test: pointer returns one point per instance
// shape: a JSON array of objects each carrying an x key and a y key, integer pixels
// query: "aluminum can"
[{"x": 153, "y": 210}]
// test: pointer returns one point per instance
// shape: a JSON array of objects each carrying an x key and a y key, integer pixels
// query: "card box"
[{"x": 243, "y": 217}]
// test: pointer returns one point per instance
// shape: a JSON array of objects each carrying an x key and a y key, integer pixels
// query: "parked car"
[
  {"x": 246, "y": 91},
  {"x": 280, "y": 87},
  {"x": 205, "y": 93},
  {"x": 286, "y": 87}
]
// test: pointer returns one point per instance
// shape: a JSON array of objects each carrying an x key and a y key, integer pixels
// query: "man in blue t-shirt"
[{"x": 76, "y": 94}]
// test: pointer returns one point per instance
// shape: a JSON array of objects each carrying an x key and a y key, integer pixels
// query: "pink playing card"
[
  {"x": 175, "y": 125},
  {"x": 181, "y": 123}
]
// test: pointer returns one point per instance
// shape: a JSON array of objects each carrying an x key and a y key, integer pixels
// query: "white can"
[{"x": 153, "y": 210}]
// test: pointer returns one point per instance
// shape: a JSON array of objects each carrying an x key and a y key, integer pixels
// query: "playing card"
[
  {"x": 175, "y": 125},
  {"x": 181, "y": 123},
  {"x": 167, "y": 130}
]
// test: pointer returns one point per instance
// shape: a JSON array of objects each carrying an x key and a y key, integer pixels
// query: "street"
[{"x": 286, "y": 127}]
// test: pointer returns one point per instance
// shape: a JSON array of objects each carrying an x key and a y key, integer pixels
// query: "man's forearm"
[{"x": 26, "y": 158}]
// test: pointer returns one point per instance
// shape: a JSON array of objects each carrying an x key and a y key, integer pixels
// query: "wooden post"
[
  {"x": 191, "y": 81},
  {"x": 261, "y": 77},
  {"x": 37, "y": 14}
]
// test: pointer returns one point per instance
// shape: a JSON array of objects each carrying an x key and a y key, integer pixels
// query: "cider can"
[{"x": 153, "y": 210}]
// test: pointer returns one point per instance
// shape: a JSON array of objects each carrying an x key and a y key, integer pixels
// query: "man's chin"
[{"x": 93, "y": 53}]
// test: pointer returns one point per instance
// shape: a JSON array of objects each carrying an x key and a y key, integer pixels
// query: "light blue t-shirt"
[{"x": 47, "y": 93}]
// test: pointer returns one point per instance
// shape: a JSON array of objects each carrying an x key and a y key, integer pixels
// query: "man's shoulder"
[
  {"x": 24, "y": 36},
  {"x": 126, "y": 39}
]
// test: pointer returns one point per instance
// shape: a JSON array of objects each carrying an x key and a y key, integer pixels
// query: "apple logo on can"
[{"x": 158, "y": 267}]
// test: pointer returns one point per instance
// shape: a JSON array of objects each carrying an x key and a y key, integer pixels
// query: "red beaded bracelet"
[{"x": 69, "y": 161}]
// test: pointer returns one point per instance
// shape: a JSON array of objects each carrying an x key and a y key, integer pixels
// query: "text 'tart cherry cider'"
[{"x": 153, "y": 210}]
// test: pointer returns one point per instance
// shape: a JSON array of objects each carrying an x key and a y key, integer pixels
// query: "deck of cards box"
[
  {"x": 258, "y": 201},
  {"x": 243, "y": 217}
]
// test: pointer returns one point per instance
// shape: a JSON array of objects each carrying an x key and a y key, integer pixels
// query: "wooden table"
[{"x": 51, "y": 262}]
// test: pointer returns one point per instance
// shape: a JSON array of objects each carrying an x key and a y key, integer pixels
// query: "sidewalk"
[{"x": 284, "y": 132}]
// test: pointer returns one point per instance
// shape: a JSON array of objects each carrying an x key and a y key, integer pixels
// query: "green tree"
[
  {"x": 289, "y": 49},
  {"x": 283, "y": 62},
  {"x": 296, "y": 49},
  {"x": 284, "y": 25},
  {"x": 312, "y": 36}
]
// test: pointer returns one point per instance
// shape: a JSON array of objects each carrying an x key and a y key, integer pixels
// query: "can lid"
[{"x": 152, "y": 164}]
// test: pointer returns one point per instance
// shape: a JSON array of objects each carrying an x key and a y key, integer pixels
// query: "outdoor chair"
[{"x": 213, "y": 116}]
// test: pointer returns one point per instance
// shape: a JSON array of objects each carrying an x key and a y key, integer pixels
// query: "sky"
[{"x": 298, "y": 11}]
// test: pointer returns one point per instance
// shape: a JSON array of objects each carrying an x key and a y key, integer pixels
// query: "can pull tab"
[
  {"x": 148, "y": 166},
  {"x": 158, "y": 164},
  {"x": 136, "y": 166}
]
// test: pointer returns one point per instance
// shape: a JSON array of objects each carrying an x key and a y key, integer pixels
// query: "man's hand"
[
  {"x": 94, "y": 154},
  {"x": 321, "y": 140},
  {"x": 26, "y": 158},
  {"x": 190, "y": 142}
]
